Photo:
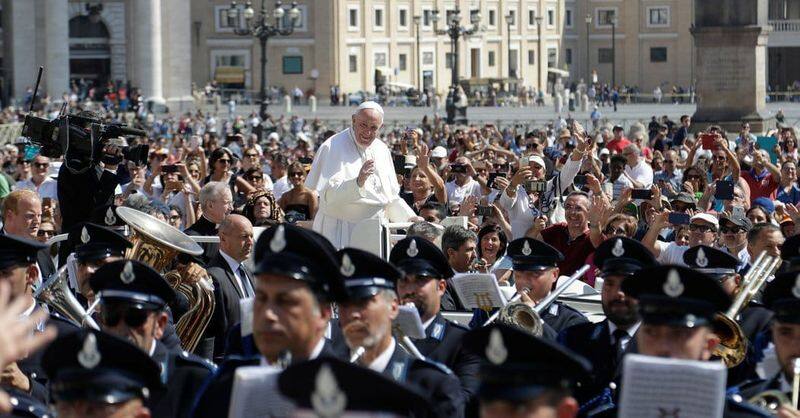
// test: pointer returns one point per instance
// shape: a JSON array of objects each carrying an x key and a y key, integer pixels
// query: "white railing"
[{"x": 785, "y": 25}]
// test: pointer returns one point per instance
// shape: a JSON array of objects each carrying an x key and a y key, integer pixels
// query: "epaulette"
[
  {"x": 188, "y": 358},
  {"x": 25, "y": 406}
]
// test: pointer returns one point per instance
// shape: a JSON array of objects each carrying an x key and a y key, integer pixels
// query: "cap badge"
[
  {"x": 85, "y": 236},
  {"x": 526, "y": 248},
  {"x": 796, "y": 288},
  {"x": 496, "y": 351},
  {"x": 278, "y": 242},
  {"x": 618, "y": 250},
  {"x": 701, "y": 260},
  {"x": 327, "y": 399},
  {"x": 412, "y": 250},
  {"x": 89, "y": 357},
  {"x": 673, "y": 287},
  {"x": 127, "y": 275},
  {"x": 348, "y": 268},
  {"x": 110, "y": 218}
]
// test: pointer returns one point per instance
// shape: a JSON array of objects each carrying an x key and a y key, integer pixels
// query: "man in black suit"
[
  {"x": 368, "y": 305},
  {"x": 133, "y": 300},
  {"x": 425, "y": 273},
  {"x": 291, "y": 309},
  {"x": 605, "y": 343},
  {"x": 216, "y": 202},
  {"x": 22, "y": 213},
  {"x": 232, "y": 283}
]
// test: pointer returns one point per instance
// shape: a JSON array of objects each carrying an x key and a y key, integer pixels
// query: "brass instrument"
[
  {"x": 772, "y": 400},
  {"x": 732, "y": 347},
  {"x": 529, "y": 319},
  {"x": 55, "y": 293},
  {"x": 157, "y": 244}
]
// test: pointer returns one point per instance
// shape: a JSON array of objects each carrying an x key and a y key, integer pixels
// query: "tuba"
[
  {"x": 732, "y": 348},
  {"x": 55, "y": 293},
  {"x": 157, "y": 244}
]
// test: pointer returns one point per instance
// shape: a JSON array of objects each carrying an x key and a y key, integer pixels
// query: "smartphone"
[
  {"x": 580, "y": 180},
  {"x": 484, "y": 211},
  {"x": 724, "y": 190},
  {"x": 533, "y": 186},
  {"x": 194, "y": 142},
  {"x": 492, "y": 177},
  {"x": 174, "y": 185},
  {"x": 708, "y": 141},
  {"x": 641, "y": 194},
  {"x": 458, "y": 168},
  {"x": 171, "y": 168},
  {"x": 677, "y": 218},
  {"x": 738, "y": 212}
]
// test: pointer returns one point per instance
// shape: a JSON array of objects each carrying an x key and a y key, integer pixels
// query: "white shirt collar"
[
  {"x": 380, "y": 362},
  {"x": 317, "y": 349},
  {"x": 152, "y": 348},
  {"x": 630, "y": 331},
  {"x": 231, "y": 262}
]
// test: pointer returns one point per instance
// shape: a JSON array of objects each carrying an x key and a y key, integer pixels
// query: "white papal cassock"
[{"x": 341, "y": 202}]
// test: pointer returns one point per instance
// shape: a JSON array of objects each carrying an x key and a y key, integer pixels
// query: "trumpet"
[
  {"x": 55, "y": 293},
  {"x": 773, "y": 400}
]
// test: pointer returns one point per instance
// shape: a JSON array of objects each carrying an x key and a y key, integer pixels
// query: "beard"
[
  {"x": 418, "y": 303},
  {"x": 621, "y": 313},
  {"x": 371, "y": 340}
]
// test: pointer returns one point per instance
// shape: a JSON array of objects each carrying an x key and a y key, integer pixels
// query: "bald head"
[{"x": 236, "y": 237}]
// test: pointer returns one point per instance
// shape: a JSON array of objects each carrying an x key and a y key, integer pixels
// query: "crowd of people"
[{"x": 669, "y": 219}]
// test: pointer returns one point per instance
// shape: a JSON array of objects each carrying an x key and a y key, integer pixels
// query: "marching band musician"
[
  {"x": 291, "y": 309},
  {"x": 782, "y": 295},
  {"x": 368, "y": 305},
  {"x": 536, "y": 269},
  {"x": 605, "y": 343},
  {"x": 790, "y": 254},
  {"x": 133, "y": 298},
  {"x": 425, "y": 271}
]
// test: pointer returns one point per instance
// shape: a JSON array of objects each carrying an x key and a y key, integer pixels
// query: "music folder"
[{"x": 479, "y": 291}]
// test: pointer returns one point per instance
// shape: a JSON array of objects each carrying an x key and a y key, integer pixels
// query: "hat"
[
  {"x": 617, "y": 128},
  {"x": 622, "y": 256},
  {"x": 107, "y": 216},
  {"x": 364, "y": 274},
  {"x": 94, "y": 242},
  {"x": 90, "y": 365},
  {"x": 133, "y": 282},
  {"x": 439, "y": 152},
  {"x": 676, "y": 296},
  {"x": 740, "y": 221},
  {"x": 536, "y": 159},
  {"x": 532, "y": 254},
  {"x": 331, "y": 386},
  {"x": 685, "y": 197},
  {"x": 711, "y": 261},
  {"x": 604, "y": 151},
  {"x": 299, "y": 253},
  {"x": 782, "y": 296},
  {"x": 564, "y": 133},
  {"x": 706, "y": 217},
  {"x": 16, "y": 251},
  {"x": 420, "y": 257},
  {"x": 517, "y": 366},
  {"x": 765, "y": 203},
  {"x": 790, "y": 250},
  {"x": 273, "y": 135}
]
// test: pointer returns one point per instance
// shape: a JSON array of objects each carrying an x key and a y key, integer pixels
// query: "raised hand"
[{"x": 367, "y": 170}]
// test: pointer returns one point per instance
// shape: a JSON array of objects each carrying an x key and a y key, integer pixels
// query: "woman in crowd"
[
  {"x": 299, "y": 203},
  {"x": 492, "y": 243},
  {"x": 694, "y": 181},
  {"x": 262, "y": 209},
  {"x": 788, "y": 192}
]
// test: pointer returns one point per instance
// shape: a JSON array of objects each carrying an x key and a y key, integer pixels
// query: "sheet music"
[
  {"x": 409, "y": 322},
  {"x": 246, "y": 308},
  {"x": 683, "y": 389},
  {"x": 478, "y": 290},
  {"x": 255, "y": 394}
]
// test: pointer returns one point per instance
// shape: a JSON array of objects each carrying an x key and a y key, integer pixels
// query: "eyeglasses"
[
  {"x": 224, "y": 161},
  {"x": 730, "y": 229},
  {"x": 297, "y": 174},
  {"x": 45, "y": 233},
  {"x": 133, "y": 317},
  {"x": 701, "y": 228},
  {"x": 259, "y": 178},
  {"x": 614, "y": 231},
  {"x": 41, "y": 165}
]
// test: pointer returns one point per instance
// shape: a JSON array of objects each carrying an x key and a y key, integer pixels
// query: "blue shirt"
[{"x": 792, "y": 196}]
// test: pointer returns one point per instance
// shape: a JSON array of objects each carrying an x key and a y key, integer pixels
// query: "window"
[
  {"x": 380, "y": 59},
  {"x": 378, "y": 22},
  {"x": 402, "y": 17},
  {"x": 605, "y": 55},
  {"x": 353, "y": 63},
  {"x": 491, "y": 58},
  {"x": 568, "y": 56},
  {"x": 229, "y": 61},
  {"x": 492, "y": 17},
  {"x": 472, "y": 14},
  {"x": 605, "y": 17},
  {"x": 531, "y": 57},
  {"x": 427, "y": 20},
  {"x": 658, "y": 16},
  {"x": 658, "y": 54},
  {"x": 302, "y": 20},
  {"x": 221, "y": 21},
  {"x": 403, "y": 62},
  {"x": 448, "y": 16},
  {"x": 531, "y": 17},
  {"x": 448, "y": 60},
  {"x": 352, "y": 18},
  {"x": 293, "y": 65},
  {"x": 551, "y": 17},
  {"x": 568, "y": 18},
  {"x": 427, "y": 58},
  {"x": 552, "y": 58}
]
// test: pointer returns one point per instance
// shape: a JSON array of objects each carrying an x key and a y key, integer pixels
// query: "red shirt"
[
  {"x": 763, "y": 185},
  {"x": 615, "y": 146},
  {"x": 575, "y": 251}
]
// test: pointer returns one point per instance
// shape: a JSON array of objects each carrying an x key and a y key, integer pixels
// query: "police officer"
[
  {"x": 291, "y": 309},
  {"x": 790, "y": 254},
  {"x": 782, "y": 295},
  {"x": 425, "y": 273},
  {"x": 535, "y": 274},
  {"x": 97, "y": 375},
  {"x": 368, "y": 304},
  {"x": 133, "y": 300},
  {"x": 605, "y": 343},
  {"x": 525, "y": 376}
]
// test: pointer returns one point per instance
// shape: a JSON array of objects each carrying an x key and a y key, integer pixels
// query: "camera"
[
  {"x": 458, "y": 168},
  {"x": 292, "y": 217},
  {"x": 535, "y": 186},
  {"x": 483, "y": 211}
]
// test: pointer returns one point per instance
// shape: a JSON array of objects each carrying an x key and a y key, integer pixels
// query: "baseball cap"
[
  {"x": 706, "y": 217},
  {"x": 604, "y": 151},
  {"x": 439, "y": 152},
  {"x": 765, "y": 203}
]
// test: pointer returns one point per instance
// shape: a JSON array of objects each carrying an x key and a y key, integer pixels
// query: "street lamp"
[
  {"x": 588, "y": 59},
  {"x": 417, "y": 20},
  {"x": 614, "y": 51},
  {"x": 509, "y": 22},
  {"x": 539, "y": 20},
  {"x": 260, "y": 27},
  {"x": 454, "y": 30}
]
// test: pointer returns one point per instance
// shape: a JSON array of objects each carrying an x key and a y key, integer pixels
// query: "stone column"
[
  {"x": 177, "y": 41},
  {"x": 19, "y": 59},
  {"x": 147, "y": 44},
  {"x": 56, "y": 31}
]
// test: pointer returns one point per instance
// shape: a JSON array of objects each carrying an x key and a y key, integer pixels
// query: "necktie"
[
  {"x": 619, "y": 335},
  {"x": 248, "y": 290}
]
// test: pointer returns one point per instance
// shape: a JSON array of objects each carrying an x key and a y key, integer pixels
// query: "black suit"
[
  {"x": 214, "y": 398},
  {"x": 183, "y": 375},
  {"x": 204, "y": 227},
  {"x": 227, "y": 312},
  {"x": 85, "y": 192},
  {"x": 45, "y": 263}
]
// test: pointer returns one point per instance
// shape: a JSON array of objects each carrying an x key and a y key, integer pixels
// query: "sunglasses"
[
  {"x": 700, "y": 228},
  {"x": 297, "y": 174},
  {"x": 730, "y": 229},
  {"x": 259, "y": 178},
  {"x": 133, "y": 317},
  {"x": 41, "y": 165},
  {"x": 614, "y": 231},
  {"x": 224, "y": 161}
]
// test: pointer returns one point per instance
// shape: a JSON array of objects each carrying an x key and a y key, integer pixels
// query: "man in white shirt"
[
  {"x": 280, "y": 184},
  {"x": 703, "y": 227},
  {"x": 637, "y": 169},
  {"x": 463, "y": 185},
  {"x": 40, "y": 182}
]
